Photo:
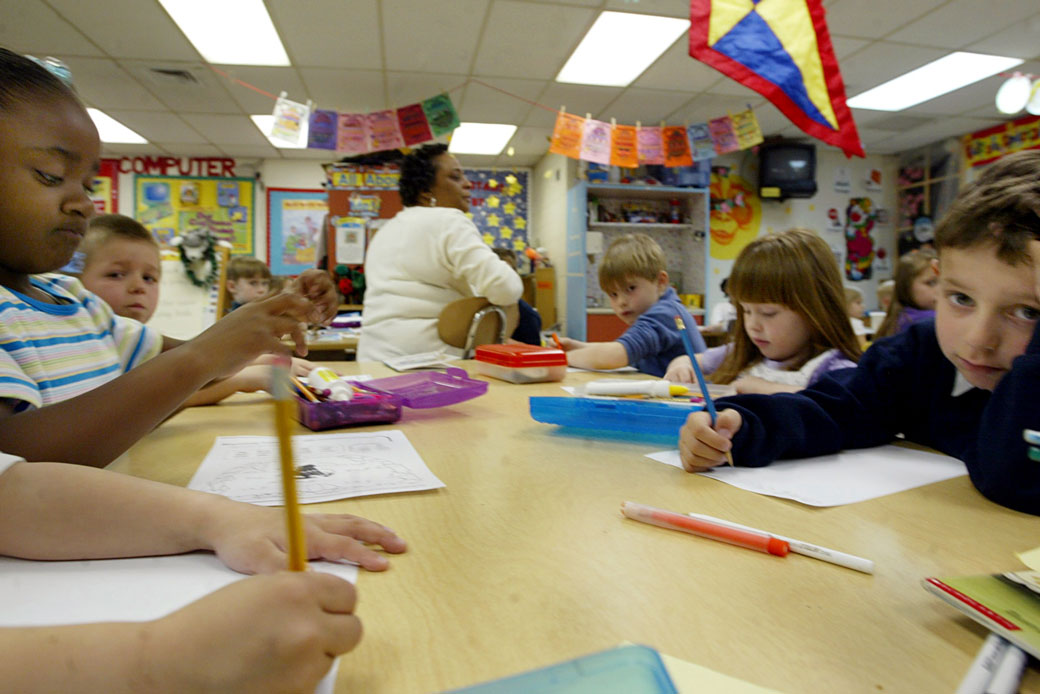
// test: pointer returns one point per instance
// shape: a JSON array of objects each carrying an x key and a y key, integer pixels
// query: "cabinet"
[{"x": 611, "y": 210}]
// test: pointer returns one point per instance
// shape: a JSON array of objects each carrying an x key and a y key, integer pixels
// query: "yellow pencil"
[
  {"x": 304, "y": 390},
  {"x": 283, "y": 417}
]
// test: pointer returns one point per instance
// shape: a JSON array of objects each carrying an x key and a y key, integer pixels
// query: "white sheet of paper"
[
  {"x": 834, "y": 480},
  {"x": 331, "y": 466},
  {"x": 619, "y": 370},
  {"x": 47, "y": 593}
]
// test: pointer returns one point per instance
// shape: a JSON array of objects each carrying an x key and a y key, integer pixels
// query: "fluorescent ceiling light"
[
  {"x": 480, "y": 138},
  {"x": 944, "y": 75},
  {"x": 112, "y": 131},
  {"x": 265, "y": 123},
  {"x": 230, "y": 32},
  {"x": 619, "y": 46}
]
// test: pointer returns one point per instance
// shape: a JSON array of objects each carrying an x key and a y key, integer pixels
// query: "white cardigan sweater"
[{"x": 419, "y": 262}]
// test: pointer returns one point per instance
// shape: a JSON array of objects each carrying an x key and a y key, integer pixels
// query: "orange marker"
[
  {"x": 713, "y": 531},
  {"x": 556, "y": 339}
]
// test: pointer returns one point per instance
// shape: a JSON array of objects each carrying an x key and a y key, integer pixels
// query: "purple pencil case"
[{"x": 427, "y": 388}]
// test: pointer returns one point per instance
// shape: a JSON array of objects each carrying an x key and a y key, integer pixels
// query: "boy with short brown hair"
[{"x": 964, "y": 384}]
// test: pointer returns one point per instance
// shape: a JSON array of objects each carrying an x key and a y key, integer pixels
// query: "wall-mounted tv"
[{"x": 786, "y": 170}]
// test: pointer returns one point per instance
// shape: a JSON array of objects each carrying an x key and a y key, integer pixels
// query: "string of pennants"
[
  {"x": 629, "y": 146},
  {"x": 626, "y": 146},
  {"x": 359, "y": 133}
]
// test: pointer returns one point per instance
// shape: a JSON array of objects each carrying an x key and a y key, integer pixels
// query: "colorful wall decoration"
[
  {"x": 736, "y": 213},
  {"x": 860, "y": 217},
  {"x": 500, "y": 206},
  {"x": 294, "y": 228},
  {"x": 171, "y": 205},
  {"x": 991, "y": 144}
]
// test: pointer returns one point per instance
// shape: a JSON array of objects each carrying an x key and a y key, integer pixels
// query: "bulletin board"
[
  {"x": 294, "y": 218},
  {"x": 171, "y": 205},
  {"x": 361, "y": 198},
  {"x": 185, "y": 309},
  {"x": 500, "y": 206}
]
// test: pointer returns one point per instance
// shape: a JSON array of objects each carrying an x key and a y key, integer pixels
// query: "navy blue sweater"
[
  {"x": 903, "y": 384},
  {"x": 653, "y": 340}
]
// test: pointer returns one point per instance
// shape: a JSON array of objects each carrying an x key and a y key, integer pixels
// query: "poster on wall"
[
  {"x": 105, "y": 193},
  {"x": 172, "y": 205},
  {"x": 350, "y": 239},
  {"x": 499, "y": 206},
  {"x": 860, "y": 217},
  {"x": 736, "y": 213},
  {"x": 294, "y": 218}
]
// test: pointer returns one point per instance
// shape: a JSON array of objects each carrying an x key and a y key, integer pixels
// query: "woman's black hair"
[
  {"x": 21, "y": 79},
  {"x": 418, "y": 172}
]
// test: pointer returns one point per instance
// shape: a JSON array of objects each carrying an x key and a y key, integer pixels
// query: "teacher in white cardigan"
[{"x": 427, "y": 256}]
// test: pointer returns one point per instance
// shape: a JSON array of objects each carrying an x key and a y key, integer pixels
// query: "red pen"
[{"x": 713, "y": 531}]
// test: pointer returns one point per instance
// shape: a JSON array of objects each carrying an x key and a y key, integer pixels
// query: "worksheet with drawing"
[{"x": 328, "y": 467}]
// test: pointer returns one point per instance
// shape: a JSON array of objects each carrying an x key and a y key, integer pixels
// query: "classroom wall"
[
  {"x": 282, "y": 173},
  {"x": 838, "y": 180},
  {"x": 554, "y": 175}
]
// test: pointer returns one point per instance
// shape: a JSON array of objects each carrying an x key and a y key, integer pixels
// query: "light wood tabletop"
[{"x": 524, "y": 560}]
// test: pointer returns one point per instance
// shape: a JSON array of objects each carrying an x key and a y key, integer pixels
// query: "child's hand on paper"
[
  {"x": 317, "y": 286},
  {"x": 251, "y": 539},
  {"x": 266, "y": 633},
  {"x": 680, "y": 370},
  {"x": 701, "y": 447}
]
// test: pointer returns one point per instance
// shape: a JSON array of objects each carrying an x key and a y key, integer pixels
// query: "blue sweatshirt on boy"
[
  {"x": 904, "y": 384},
  {"x": 653, "y": 340}
]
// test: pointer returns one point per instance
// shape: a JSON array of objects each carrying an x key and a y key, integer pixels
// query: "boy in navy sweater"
[
  {"x": 633, "y": 276},
  {"x": 965, "y": 384}
]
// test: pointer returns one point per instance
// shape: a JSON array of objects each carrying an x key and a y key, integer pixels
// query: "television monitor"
[{"x": 786, "y": 170}]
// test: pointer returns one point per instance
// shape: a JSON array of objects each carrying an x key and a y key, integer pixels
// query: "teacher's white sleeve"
[{"x": 473, "y": 261}]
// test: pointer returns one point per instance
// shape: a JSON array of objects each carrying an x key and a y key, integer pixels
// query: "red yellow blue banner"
[{"x": 781, "y": 49}]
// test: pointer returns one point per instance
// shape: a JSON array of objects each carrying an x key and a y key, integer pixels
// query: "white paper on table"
[
  {"x": 833, "y": 480},
  {"x": 619, "y": 370},
  {"x": 48, "y": 593},
  {"x": 330, "y": 467}
]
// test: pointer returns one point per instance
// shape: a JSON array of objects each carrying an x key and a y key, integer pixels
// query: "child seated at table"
[
  {"x": 634, "y": 277},
  {"x": 792, "y": 322},
  {"x": 302, "y": 619},
  {"x": 915, "y": 294},
  {"x": 248, "y": 279},
  {"x": 78, "y": 383},
  {"x": 121, "y": 264},
  {"x": 964, "y": 384}
]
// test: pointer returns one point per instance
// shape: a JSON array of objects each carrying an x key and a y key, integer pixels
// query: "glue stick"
[{"x": 324, "y": 377}]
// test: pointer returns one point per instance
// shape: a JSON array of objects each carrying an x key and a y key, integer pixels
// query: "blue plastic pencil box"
[
  {"x": 645, "y": 417},
  {"x": 622, "y": 670}
]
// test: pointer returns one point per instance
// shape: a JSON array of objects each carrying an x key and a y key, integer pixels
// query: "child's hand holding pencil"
[{"x": 701, "y": 446}]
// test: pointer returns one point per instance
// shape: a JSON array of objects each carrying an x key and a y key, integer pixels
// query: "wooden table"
[{"x": 523, "y": 560}]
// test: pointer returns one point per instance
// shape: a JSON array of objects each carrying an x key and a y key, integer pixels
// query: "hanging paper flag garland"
[
  {"x": 623, "y": 147},
  {"x": 322, "y": 131},
  {"x": 352, "y": 134},
  {"x": 746, "y": 127},
  {"x": 384, "y": 132},
  {"x": 595, "y": 142},
  {"x": 440, "y": 114},
  {"x": 676, "y": 146},
  {"x": 567, "y": 135},
  {"x": 701, "y": 146},
  {"x": 414, "y": 127},
  {"x": 648, "y": 141},
  {"x": 289, "y": 117},
  {"x": 781, "y": 49},
  {"x": 721, "y": 130}
]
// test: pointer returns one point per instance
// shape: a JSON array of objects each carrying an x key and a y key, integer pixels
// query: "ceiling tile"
[
  {"x": 577, "y": 98},
  {"x": 527, "y": 140},
  {"x": 846, "y": 45},
  {"x": 664, "y": 8},
  {"x": 330, "y": 33},
  {"x": 676, "y": 70},
  {"x": 104, "y": 84},
  {"x": 875, "y": 19},
  {"x": 485, "y": 104},
  {"x": 154, "y": 35},
  {"x": 112, "y": 150},
  {"x": 961, "y": 22},
  {"x": 704, "y": 107},
  {"x": 226, "y": 130},
  {"x": 526, "y": 40},
  {"x": 404, "y": 88},
  {"x": 882, "y": 61},
  {"x": 250, "y": 151},
  {"x": 1020, "y": 40},
  {"x": 273, "y": 80},
  {"x": 345, "y": 90},
  {"x": 30, "y": 26},
  {"x": 204, "y": 92},
  {"x": 158, "y": 126},
  {"x": 432, "y": 36},
  {"x": 180, "y": 149},
  {"x": 646, "y": 105}
]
